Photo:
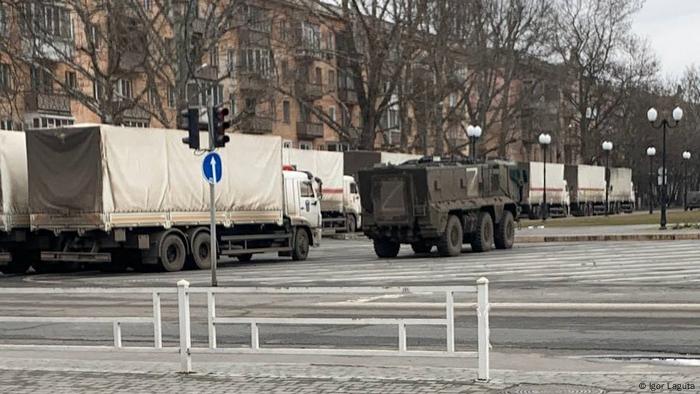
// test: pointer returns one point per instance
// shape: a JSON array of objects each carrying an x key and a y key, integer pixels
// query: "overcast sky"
[{"x": 673, "y": 30}]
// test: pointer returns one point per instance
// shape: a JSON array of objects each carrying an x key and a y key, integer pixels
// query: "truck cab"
[
  {"x": 352, "y": 204},
  {"x": 302, "y": 202}
]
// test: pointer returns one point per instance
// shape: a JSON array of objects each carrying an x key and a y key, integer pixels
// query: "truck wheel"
[
  {"x": 201, "y": 250},
  {"x": 386, "y": 248},
  {"x": 450, "y": 243},
  {"x": 505, "y": 231},
  {"x": 172, "y": 253},
  {"x": 351, "y": 224},
  {"x": 421, "y": 247},
  {"x": 244, "y": 258},
  {"x": 21, "y": 261},
  {"x": 483, "y": 238},
  {"x": 300, "y": 251}
]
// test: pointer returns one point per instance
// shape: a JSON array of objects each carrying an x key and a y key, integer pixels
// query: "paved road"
[{"x": 607, "y": 272}]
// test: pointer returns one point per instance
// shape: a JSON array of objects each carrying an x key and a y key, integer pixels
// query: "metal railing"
[
  {"x": 115, "y": 321},
  {"x": 482, "y": 307},
  {"x": 448, "y": 321}
]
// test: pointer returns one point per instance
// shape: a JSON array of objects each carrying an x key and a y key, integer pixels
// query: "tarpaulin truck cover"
[
  {"x": 328, "y": 166},
  {"x": 105, "y": 177},
  {"x": 556, "y": 185},
  {"x": 620, "y": 184},
  {"x": 14, "y": 195}
]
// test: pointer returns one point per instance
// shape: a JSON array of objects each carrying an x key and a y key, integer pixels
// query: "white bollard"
[
  {"x": 183, "y": 306},
  {"x": 482, "y": 312},
  {"x": 211, "y": 318},
  {"x": 450, "y": 316},
  {"x": 157, "y": 322}
]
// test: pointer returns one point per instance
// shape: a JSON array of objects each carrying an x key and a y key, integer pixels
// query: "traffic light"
[
  {"x": 191, "y": 118},
  {"x": 220, "y": 127}
]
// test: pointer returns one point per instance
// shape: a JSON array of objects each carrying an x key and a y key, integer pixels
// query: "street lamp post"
[
  {"x": 651, "y": 152},
  {"x": 545, "y": 140},
  {"x": 607, "y": 147},
  {"x": 686, "y": 158},
  {"x": 474, "y": 133},
  {"x": 664, "y": 124}
]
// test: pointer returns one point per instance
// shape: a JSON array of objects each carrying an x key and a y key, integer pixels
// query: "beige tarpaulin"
[
  {"x": 147, "y": 177},
  {"x": 328, "y": 166},
  {"x": 14, "y": 210}
]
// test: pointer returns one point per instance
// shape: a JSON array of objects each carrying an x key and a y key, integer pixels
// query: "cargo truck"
[
  {"x": 120, "y": 196},
  {"x": 557, "y": 192},
  {"x": 621, "y": 193},
  {"x": 586, "y": 185},
  {"x": 19, "y": 247},
  {"x": 340, "y": 200},
  {"x": 427, "y": 203}
]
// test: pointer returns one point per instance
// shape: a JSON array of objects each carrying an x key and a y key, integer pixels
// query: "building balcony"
[
  {"x": 456, "y": 115},
  {"x": 129, "y": 110},
  {"x": 55, "y": 49},
  {"x": 308, "y": 90},
  {"x": 308, "y": 54},
  {"x": 347, "y": 96},
  {"x": 208, "y": 72},
  {"x": 309, "y": 130},
  {"x": 257, "y": 37},
  {"x": 256, "y": 124},
  {"x": 47, "y": 103},
  {"x": 252, "y": 82}
]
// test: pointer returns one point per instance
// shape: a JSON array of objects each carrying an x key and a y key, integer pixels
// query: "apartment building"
[{"x": 279, "y": 67}]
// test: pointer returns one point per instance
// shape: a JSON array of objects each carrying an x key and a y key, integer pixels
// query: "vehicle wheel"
[
  {"x": 172, "y": 253},
  {"x": 505, "y": 231},
  {"x": 21, "y": 261},
  {"x": 483, "y": 238},
  {"x": 201, "y": 250},
  {"x": 450, "y": 243},
  {"x": 421, "y": 247},
  {"x": 244, "y": 258},
  {"x": 351, "y": 224},
  {"x": 300, "y": 250},
  {"x": 386, "y": 248}
]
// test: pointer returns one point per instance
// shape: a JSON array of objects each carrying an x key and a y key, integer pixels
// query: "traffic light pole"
[{"x": 212, "y": 194}]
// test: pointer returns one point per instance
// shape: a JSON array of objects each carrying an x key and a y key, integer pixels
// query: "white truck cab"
[
  {"x": 302, "y": 202},
  {"x": 352, "y": 204}
]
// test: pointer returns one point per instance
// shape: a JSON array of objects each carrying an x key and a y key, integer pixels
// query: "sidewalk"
[
  {"x": 638, "y": 232},
  {"x": 78, "y": 372}
]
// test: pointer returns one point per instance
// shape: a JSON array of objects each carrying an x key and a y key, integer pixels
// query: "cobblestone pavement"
[{"x": 120, "y": 377}]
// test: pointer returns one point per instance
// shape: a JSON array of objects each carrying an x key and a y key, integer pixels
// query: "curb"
[{"x": 607, "y": 237}]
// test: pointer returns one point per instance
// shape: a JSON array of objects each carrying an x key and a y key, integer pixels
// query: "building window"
[
  {"x": 124, "y": 89},
  {"x": 318, "y": 76},
  {"x": 285, "y": 69},
  {"x": 338, "y": 146},
  {"x": 331, "y": 113},
  {"x": 147, "y": 5},
  {"x": 3, "y": 19},
  {"x": 7, "y": 124},
  {"x": 50, "y": 20},
  {"x": 306, "y": 145},
  {"x": 311, "y": 36},
  {"x": 286, "y": 112},
  {"x": 257, "y": 19},
  {"x": 250, "y": 105},
  {"x": 287, "y": 144},
  {"x": 231, "y": 60},
  {"x": 71, "y": 80},
  {"x": 234, "y": 106},
  {"x": 453, "y": 100},
  {"x": 135, "y": 123},
  {"x": 41, "y": 80},
  {"x": 94, "y": 38},
  {"x": 5, "y": 81},
  {"x": 214, "y": 56},
  {"x": 331, "y": 80},
  {"x": 172, "y": 99},
  {"x": 50, "y": 122},
  {"x": 256, "y": 61}
]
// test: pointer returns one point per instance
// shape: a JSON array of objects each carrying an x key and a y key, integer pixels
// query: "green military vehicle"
[{"x": 430, "y": 202}]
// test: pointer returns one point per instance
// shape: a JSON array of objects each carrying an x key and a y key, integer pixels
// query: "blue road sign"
[{"x": 212, "y": 168}]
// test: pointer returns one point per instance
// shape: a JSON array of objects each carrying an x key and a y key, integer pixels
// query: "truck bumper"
[{"x": 86, "y": 257}]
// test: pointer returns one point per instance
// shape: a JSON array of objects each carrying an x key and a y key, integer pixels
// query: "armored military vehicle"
[{"x": 443, "y": 203}]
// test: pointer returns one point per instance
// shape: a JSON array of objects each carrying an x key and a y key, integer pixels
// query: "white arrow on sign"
[{"x": 212, "y": 162}]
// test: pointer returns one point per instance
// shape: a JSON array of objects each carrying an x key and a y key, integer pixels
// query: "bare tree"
[{"x": 602, "y": 60}]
